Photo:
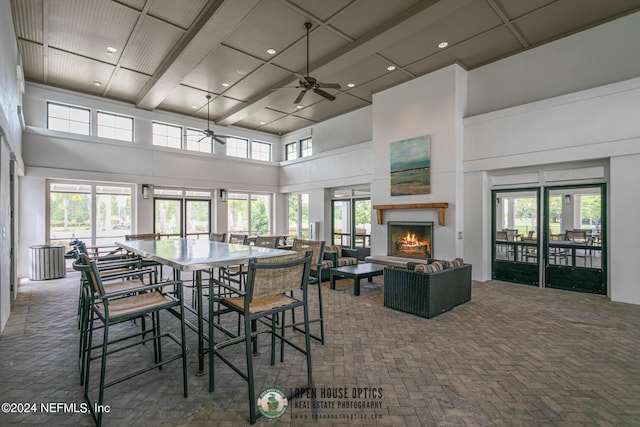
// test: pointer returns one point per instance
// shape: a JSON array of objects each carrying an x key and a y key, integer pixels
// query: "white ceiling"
[{"x": 172, "y": 53}]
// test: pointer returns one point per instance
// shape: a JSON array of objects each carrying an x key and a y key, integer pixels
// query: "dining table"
[{"x": 191, "y": 255}]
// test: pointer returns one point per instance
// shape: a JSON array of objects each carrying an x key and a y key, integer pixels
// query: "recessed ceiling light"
[
  {"x": 298, "y": 106},
  {"x": 263, "y": 123},
  {"x": 241, "y": 72},
  {"x": 194, "y": 106},
  {"x": 391, "y": 67},
  {"x": 111, "y": 49},
  {"x": 271, "y": 51},
  {"x": 442, "y": 45},
  {"x": 97, "y": 84},
  {"x": 351, "y": 84},
  {"x": 225, "y": 84}
]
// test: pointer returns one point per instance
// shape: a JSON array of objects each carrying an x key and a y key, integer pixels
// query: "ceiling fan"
[
  {"x": 308, "y": 83},
  {"x": 208, "y": 132}
]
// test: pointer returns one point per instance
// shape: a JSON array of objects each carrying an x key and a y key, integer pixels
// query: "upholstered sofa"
[
  {"x": 337, "y": 256},
  {"x": 427, "y": 290}
]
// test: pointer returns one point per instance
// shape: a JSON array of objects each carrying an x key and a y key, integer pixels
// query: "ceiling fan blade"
[
  {"x": 300, "y": 96},
  {"x": 329, "y": 85},
  {"x": 324, "y": 94},
  {"x": 204, "y": 137},
  {"x": 219, "y": 141}
]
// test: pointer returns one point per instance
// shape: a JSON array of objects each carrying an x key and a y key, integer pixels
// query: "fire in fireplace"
[{"x": 410, "y": 239}]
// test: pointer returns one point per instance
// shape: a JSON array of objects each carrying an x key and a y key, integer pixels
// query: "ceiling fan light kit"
[{"x": 308, "y": 83}]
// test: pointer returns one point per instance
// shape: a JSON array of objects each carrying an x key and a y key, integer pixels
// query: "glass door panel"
[
  {"x": 238, "y": 213},
  {"x": 362, "y": 236},
  {"x": 341, "y": 222},
  {"x": 168, "y": 217},
  {"x": 70, "y": 213},
  {"x": 260, "y": 215},
  {"x": 515, "y": 242},
  {"x": 113, "y": 213},
  {"x": 574, "y": 241},
  {"x": 197, "y": 216}
]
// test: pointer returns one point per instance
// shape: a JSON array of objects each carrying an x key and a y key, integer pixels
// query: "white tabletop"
[{"x": 189, "y": 254}]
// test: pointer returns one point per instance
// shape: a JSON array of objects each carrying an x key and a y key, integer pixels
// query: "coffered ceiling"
[{"x": 170, "y": 54}]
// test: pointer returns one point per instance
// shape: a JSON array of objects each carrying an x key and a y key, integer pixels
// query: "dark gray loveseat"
[{"x": 427, "y": 294}]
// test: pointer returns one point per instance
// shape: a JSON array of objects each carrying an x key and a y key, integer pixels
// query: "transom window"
[
  {"x": 197, "y": 141},
  {"x": 260, "y": 151},
  {"x": 237, "y": 147},
  {"x": 114, "y": 126},
  {"x": 306, "y": 147},
  {"x": 67, "y": 118},
  {"x": 293, "y": 150},
  {"x": 166, "y": 135}
]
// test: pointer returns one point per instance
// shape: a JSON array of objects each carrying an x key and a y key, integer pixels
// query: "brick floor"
[{"x": 514, "y": 355}]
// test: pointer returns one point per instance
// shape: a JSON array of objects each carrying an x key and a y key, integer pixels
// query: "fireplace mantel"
[{"x": 440, "y": 206}]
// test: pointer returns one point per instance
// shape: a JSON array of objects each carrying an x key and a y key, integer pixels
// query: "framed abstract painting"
[{"x": 411, "y": 166}]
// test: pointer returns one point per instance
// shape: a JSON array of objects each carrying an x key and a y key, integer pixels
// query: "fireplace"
[{"x": 410, "y": 239}]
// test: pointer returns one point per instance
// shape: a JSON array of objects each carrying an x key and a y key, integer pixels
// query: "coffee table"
[{"x": 356, "y": 272}]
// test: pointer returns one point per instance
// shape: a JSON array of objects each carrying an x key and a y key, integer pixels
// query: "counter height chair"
[
  {"x": 267, "y": 241},
  {"x": 147, "y": 262},
  {"x": 112, "y": 308},
  {"x": 316, "y": 247},
  {"x": 269, "y": 280},
  {"x": 117, "y": 276},
  {"x": 235, "y": 273},
  {"x": 218, "y": 237}
]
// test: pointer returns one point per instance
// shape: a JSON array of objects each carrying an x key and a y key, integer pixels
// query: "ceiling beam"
[
  {"x": 393, "y": 31},
  {"x": 218, "y": 19}
]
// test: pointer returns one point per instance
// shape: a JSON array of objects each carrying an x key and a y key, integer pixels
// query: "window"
[
  {"x": 182, "y": 213},
  {"x": 198, "y": 141},
  {"x": 260, "y": 151},
  {"x": 94, "y": 213},
  {"x": 298, "y": 214},
  {"x": 115, "y": 126},
  {"x": 237, "y": 147},
  {"x": 291, "y": 151},
  {"x": 166, "y": 135},
  {"x": 66, "y": 118},
  {"x": 305, "y": 147},
  {"x": 351, "y": 217},
  {"x": 249, "y": 213}
]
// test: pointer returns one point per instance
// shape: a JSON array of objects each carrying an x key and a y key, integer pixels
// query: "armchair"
[{"x": 336, "y": 256}]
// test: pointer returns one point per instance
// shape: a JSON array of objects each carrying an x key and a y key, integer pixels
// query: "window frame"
[
  {"x": 115, "y": 115},
  {"x": 69, "y": 120},
  {"x": 291, "y": 151},
  {"x": 256, "y": 143},
  {"x": 200, "y": 137},
  {"x": 168, "y": 126},
  {"x": 231, "y": 140},
  {"x": 306, "y": 147}
]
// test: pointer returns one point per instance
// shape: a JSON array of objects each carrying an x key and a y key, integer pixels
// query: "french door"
[
  {"x": 515, "y": 249},
  {"x": 182, "y": 217},
  {"x": 575, "y": 238},
  {"x": 565, "y": 248},
  {"x": 351, "y": 222}
]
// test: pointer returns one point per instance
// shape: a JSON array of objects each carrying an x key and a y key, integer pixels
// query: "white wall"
[
  {"x": 342, "y": 131},
  {"x": 10, "y": 148},
  {"x": 599, "y": 56},
  {"x": 624, "y": 228},
  {"x": 581, "y": 129},
  {"x": 430, "y": 105}
]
